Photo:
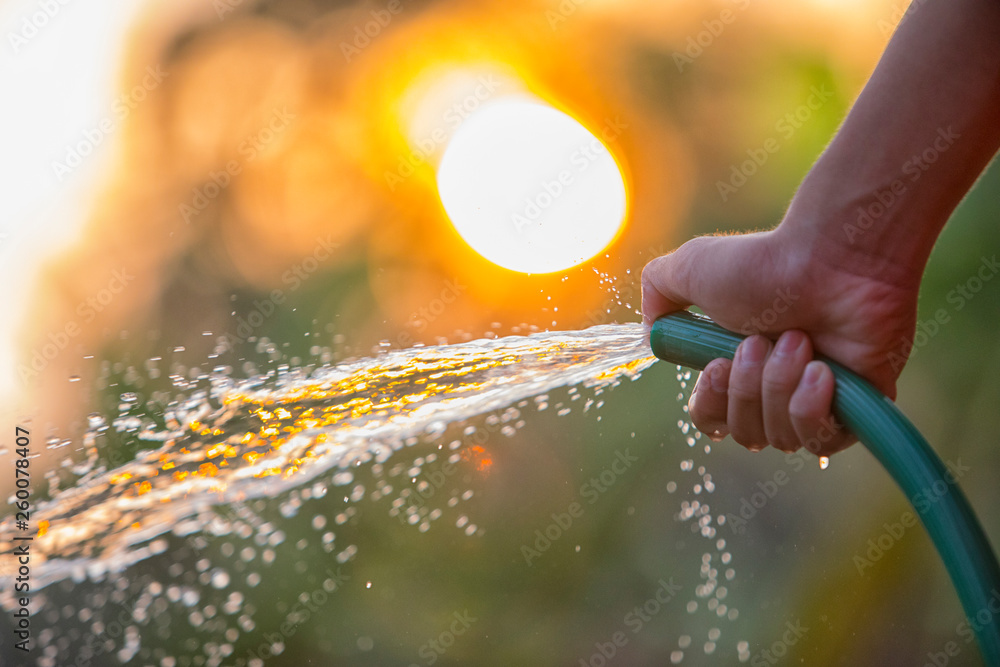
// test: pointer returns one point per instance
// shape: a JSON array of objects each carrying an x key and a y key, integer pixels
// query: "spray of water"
[
  {"x": 257, "y": 438},
  {"x": 289, "y": 436}
]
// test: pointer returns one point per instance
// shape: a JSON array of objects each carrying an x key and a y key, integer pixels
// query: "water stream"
[
  {"x": 255, "y": 438},
  {"x": 285, "y": 437}
]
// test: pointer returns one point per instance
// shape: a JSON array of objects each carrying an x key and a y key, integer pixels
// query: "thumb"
[{"x": 666, "y": 283}]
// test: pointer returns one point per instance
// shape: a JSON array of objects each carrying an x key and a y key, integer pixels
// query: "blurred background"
[{"x": 254, "y": 183}]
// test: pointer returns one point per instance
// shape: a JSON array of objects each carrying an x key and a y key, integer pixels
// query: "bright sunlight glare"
[{"x": 530, "y": 188}]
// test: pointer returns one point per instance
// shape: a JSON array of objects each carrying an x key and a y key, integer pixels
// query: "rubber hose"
[{"x": 693, "y": 340}]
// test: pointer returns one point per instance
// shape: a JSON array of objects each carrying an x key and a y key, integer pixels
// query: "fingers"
[
  {"x": 809, "y": 411},
  {"x": 782, "y": 374},
  {"x": 770, "y": 395},
  {"x": 745, "y": 414},
  {"x": 710, "y": 400}
]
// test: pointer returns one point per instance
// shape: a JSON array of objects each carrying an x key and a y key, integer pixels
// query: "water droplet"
[{"x": 220, "y": 578}]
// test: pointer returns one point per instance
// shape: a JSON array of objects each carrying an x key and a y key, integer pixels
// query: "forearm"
[{"x": 924, "y": 127}]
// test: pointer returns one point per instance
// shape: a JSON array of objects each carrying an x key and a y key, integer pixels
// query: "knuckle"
[
  {"x": 748, "y": 438},
  {"x": 807, "y": 408},
  {"x": 741, "y": 391},
  {"x": 797, "y": 336},
  {"x": 781, "y": 436},
  {"x": 700, "y": 420},
  {"x": 707, "y": 421},
  {"x": 786, "y": 445},
  {"x": 654, "y": 268},
  {"x": 745, "y": 382},
  {"x": 806, "y": 413},
  {"x": 702, "y": 384},
  {"x": 712, "y": 429},
  {"x": 705, "y": 407},
  {"x": 648, "y": 271},
  {"x": 781, "y": 375},
  {"x": 816, "y": 446}
]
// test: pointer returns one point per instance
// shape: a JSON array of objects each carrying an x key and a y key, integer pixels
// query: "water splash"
[
  {"x": 171, "y": 547},
  {"x": 260, "y": 437},
  {"x": 711, "y": 593}
]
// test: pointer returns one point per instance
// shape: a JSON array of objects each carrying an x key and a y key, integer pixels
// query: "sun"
[{"x": 530, "y": 188}]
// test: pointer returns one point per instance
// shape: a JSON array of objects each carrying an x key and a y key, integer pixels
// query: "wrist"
[{"x": 870, "y": 230}]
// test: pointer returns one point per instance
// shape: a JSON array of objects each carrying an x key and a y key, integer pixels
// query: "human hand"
[{"x": 794, "y": 300}]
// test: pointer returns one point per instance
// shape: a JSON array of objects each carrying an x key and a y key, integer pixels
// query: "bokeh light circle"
[{"x": 530, "y": 188}]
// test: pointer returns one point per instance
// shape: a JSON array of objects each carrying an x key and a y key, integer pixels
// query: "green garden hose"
[{"x": 693, "y": 340}]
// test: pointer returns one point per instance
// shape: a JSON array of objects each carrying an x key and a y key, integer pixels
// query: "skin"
[{"x": 826, "y": 280}]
